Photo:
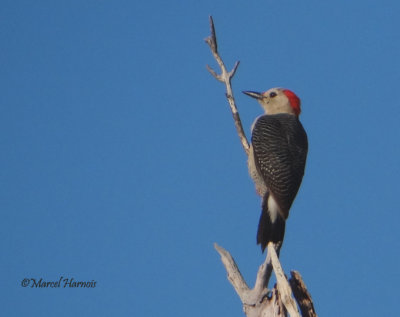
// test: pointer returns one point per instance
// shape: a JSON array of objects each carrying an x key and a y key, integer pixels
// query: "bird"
[{"x": 277, "y": 159}]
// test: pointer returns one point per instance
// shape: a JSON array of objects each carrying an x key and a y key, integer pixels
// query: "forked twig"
[
  {"x": 226, "y": 77},
  {"x": 254, "y": 300}
]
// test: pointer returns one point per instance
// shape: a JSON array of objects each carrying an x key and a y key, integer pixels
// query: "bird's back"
[{"x": 280, "y": 150}]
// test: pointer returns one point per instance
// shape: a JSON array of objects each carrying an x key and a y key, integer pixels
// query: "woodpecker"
[{"x": 277, "y": 158}]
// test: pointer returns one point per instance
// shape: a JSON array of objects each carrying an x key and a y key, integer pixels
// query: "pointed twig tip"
[{"x": 217, "y": 247}]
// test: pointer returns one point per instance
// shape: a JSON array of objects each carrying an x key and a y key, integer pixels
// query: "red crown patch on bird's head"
[{"x": 294, "y": 101}]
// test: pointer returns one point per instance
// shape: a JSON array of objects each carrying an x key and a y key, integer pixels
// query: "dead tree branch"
[
  {"x": 255, "y": 301},
  {"x": 282, "y": 283},
  {"x": 302, "y": 295},
  {"x": 260, "y": 301},
  {"x": 226, "y": 77},
  {"x": 234, "y": 275}
]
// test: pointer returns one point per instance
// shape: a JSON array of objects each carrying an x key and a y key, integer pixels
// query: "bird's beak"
[{"x": 254, "y": 94}]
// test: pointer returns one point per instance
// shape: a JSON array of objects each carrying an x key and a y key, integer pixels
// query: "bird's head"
[{"x": 277, "y": 100}]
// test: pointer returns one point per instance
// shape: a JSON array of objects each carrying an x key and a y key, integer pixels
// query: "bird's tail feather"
[{"x": 271, "y": 228}]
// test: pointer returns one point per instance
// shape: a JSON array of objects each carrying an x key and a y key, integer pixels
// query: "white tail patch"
[{"x": 273, "y": 208}]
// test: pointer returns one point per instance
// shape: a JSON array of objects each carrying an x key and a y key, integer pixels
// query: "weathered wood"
[
  {"x": 226, "y": 77},
  {"x": 301, "y": 294},
  {"x": 282, "y": 283},
  {"x": 255, "y": 301}
]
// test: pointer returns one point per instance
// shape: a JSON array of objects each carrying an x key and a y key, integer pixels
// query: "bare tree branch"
[
  {"x": 302, "y": 295},
  {"x": 283, "y": 285},
  {"x": 234, "y": 275},
  {"x": 226, "y": 77},
  {"x": 260, "y": 301},
  {"x": 255, "y": 301},
  {"x": 263, "y": 276}
]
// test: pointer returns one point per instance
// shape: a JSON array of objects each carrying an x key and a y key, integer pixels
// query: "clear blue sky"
[{"x": 121, "y": 164}]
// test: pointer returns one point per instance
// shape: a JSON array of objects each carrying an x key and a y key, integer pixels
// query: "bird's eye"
[{"x": 272, "y": 94}]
